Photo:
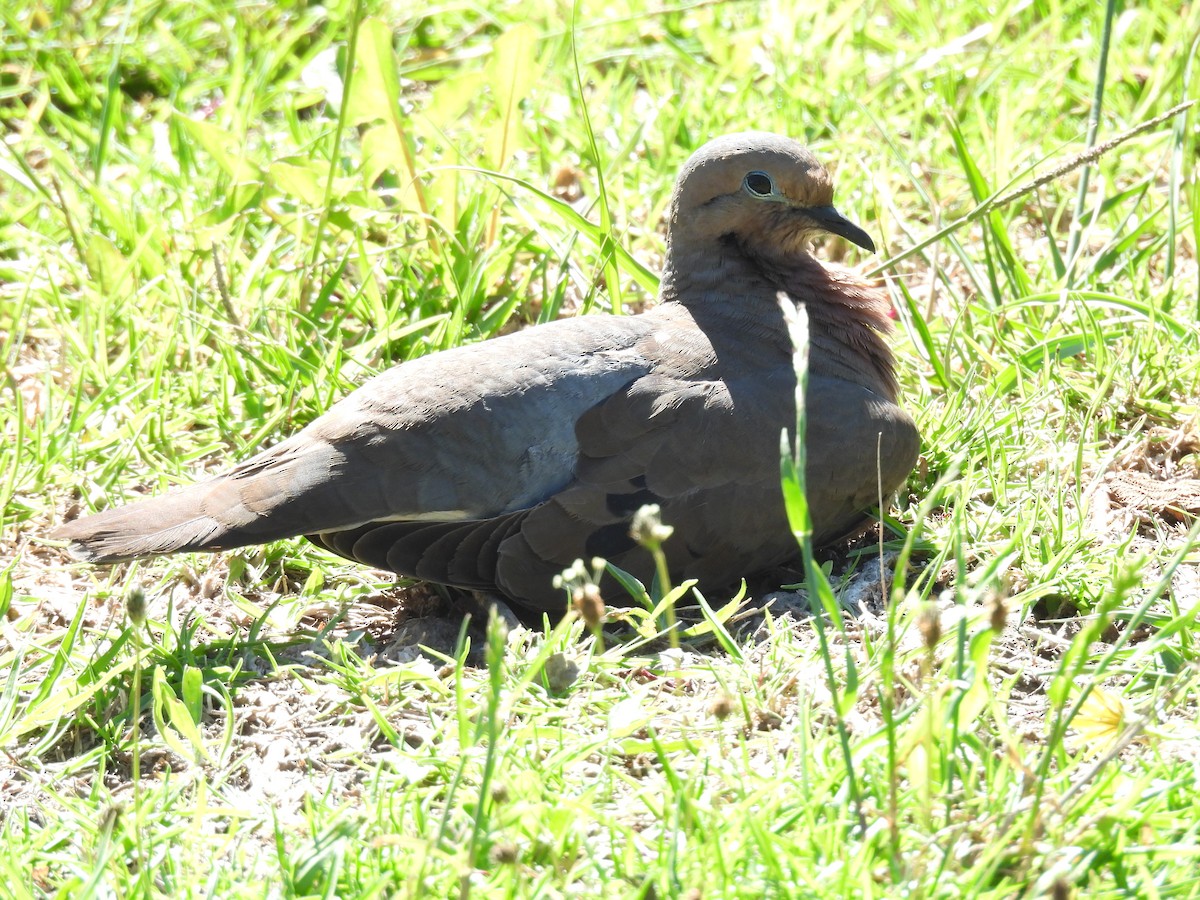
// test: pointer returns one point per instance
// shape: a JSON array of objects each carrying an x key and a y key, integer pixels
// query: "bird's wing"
[{"x": 708, "y": 452}]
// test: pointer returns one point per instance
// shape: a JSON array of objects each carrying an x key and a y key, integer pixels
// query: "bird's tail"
[{"x": 187, "y": 519}]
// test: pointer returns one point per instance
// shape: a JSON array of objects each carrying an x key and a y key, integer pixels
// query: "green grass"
[{"x": 198, "y": 254}]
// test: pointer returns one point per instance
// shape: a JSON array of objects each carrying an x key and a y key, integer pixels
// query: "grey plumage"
[{"x": 495, "y": 466}]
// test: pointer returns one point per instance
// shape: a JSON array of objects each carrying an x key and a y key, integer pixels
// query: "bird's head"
[{"x": 763, "y": 192}]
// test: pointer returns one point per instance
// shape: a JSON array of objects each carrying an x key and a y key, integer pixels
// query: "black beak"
[{"x": 829, "y": 219}]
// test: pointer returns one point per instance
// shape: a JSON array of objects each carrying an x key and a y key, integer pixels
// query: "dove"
[{"x": 494, "y": 466}]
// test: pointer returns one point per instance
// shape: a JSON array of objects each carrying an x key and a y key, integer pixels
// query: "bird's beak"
[{"x": 829, "y": 219}]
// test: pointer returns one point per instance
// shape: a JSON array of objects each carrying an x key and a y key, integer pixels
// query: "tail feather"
[
  {"x": 291, "y": 489},
  {"x": 177, "y": 522}
]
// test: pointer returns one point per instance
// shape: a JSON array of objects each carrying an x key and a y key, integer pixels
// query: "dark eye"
[{"x": 759, "y": 184}]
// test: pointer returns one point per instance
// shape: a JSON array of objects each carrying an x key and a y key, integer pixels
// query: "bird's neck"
[{"x": 848, "y": 317}]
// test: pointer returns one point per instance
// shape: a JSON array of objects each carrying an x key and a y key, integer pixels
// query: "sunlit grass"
[{"x": 201, "y": 249}]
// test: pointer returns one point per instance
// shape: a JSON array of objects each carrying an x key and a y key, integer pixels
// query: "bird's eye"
[{"x": 759, "y": 184}]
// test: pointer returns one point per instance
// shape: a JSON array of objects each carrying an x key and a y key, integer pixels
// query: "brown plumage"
[{"x": 495, "y": 466}]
